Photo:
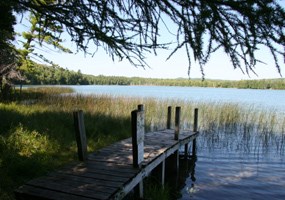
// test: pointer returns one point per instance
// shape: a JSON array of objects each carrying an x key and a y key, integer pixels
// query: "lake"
[
  {"x": 271, "y": 99},
  {"x": 232, "y": 169},
  {"x": 227, "y": 166}
]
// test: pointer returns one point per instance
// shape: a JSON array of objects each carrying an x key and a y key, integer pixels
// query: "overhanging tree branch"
[{"x": 128, "y": 29}]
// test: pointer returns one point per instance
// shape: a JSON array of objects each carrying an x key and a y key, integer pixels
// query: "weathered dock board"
[{"x": 108, "y": 173}]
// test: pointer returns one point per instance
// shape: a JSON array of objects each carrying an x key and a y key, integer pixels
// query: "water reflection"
[
  {"x": 186, "y": 173},
  {"x": 237, "y": 165},
  {"x": 192, "y": 189}
]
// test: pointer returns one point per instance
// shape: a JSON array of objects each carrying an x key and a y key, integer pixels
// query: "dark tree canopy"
[
  {"x": 8, "y": 55},
  {"x": 127, "y": 29}
]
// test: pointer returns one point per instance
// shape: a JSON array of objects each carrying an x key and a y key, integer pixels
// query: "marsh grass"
[
  {"x": 154, "y": 190},
  {"x": 38, "y": 136},
  {"x": 32, "y": 94}
]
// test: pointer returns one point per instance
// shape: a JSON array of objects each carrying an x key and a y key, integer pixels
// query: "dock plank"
[
  {"x": 85, "y": 190},
  {"x": 35, "y": 193},
  {"x": 91, "y": 165}
]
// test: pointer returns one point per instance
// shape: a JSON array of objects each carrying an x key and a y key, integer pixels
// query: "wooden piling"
[
  {"x": 138, "y": 131},
  {"x": 168, "y": 124},
  {"x": 140, "y": 107},
  {"x": 195, "y": 129},
  {"x": 163, "y": 173},
  {"x": 172, "y": 167},
  {"x": 80, "y": 135},
  {"x": 177, "y": 122},
  {"x": 137, "y": 137},
  {"x": 173, "y": 161}
]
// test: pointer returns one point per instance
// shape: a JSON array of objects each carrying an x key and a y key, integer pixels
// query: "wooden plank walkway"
[{"x": 108, "y": 173}]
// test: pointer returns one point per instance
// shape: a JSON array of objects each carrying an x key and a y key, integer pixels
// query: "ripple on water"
[{"x": 227, "y": 174}]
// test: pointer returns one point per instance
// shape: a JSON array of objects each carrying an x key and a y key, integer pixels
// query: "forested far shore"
[{"x": 53, "y": 75}]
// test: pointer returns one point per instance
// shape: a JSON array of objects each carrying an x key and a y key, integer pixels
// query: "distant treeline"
[
  {"x": 46, "y": 75},
  {"x": 38, "y": 74},
  {"x": 250, "y": 84}
]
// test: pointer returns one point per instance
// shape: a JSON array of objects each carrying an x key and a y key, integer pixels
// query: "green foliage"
[
  {"x": 37, "y": 74},
  {"x": 245, "y": 84},
  {"x": 27, "y": 143},
  {"x": 43, "y": 32}
]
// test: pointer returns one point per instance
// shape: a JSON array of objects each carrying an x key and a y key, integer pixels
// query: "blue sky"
[{"x": 219, "y": 66}]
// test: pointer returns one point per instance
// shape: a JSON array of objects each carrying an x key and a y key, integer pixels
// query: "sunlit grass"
[
  {"x": 37, "y": 133},
  {"x": 31, "y": 94},
  {"x": 48, "y": 90}
]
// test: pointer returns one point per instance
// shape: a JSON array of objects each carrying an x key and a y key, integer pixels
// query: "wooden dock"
[{"x": 114, "y": 171}]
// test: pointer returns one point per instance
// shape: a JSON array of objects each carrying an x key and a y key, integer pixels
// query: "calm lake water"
[
  {"x": 271, "y": 99},
  {"x": 233, "y": 170},
  {"x": 227, "y": 167}
]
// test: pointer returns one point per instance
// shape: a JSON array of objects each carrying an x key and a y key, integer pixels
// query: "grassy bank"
[{"x": 37, "y": 135}]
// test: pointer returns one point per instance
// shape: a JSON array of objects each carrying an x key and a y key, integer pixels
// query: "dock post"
[
  {"x": 138, "y": 137},
  {"x": 80, "y": 135},
  {"x": 159, "y": 172},
  {"x": 138, "y": 131},
  {"x": 140, "y": 107},
  {"x": 168, "y": 124},
  {"x": 163, "y": 173},
  {"x": 177, "y": 122},
  {"x": 176, "y": 136},
  {"x": 195, "y": 129}
]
